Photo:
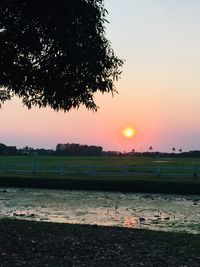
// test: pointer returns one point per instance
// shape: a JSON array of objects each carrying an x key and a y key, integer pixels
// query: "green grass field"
[
  {"x": 122, "y": 165},
  {"x": 99, "y": 161},
  {"x": 117, "y": 173}
]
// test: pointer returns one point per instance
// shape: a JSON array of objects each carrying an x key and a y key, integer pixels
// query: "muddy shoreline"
[
  {"x": 143, "y": 186},
  {"x": 164, "y": 212}
]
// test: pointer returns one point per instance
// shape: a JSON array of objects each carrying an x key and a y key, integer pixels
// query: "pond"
[{"x": 134, "y": 210}]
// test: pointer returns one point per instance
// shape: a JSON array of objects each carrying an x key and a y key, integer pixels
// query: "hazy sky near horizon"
[{"x": 159, "y": 90}]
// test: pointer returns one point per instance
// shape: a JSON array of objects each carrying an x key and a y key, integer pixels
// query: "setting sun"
[{"x": 128, "y": 132}]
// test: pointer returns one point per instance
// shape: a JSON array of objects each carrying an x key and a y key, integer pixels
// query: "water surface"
[{"x": 134, "y": 210}]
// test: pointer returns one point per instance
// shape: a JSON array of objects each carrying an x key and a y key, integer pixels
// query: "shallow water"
[{"x": 134, "y": 210}]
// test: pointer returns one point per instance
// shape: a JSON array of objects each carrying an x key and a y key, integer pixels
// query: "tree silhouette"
[
  {"x": 54, "y": 53},
  {"x": 150, "y": 148}
]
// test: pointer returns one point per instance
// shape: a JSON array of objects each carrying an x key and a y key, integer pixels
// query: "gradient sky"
[{"x": 159, "y": 90}]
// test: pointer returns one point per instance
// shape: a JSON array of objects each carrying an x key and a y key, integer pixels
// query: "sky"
[{"x": 158, "y": 93}]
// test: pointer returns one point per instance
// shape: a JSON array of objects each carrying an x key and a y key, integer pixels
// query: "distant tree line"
[
  {"x": 71, "y": 149},
  {"x": 193, "y": 153},
  {"x": 61, "y": 150},
  {"x": 8, "y": 150},
  {"x": 29, "y": 151},
  {"x": 78, "y": 150}
]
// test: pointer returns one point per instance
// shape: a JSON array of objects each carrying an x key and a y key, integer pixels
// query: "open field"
[
  {"x": 99, "y": 161},
  {"x": 25, "y": 243},
  {"x": 146, "y": 174}
]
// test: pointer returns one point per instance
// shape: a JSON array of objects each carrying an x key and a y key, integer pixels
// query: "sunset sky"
[{"x": 159, "y": 90}]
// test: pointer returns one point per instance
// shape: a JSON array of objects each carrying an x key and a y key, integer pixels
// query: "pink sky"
[{"x": 159, "y": 90}]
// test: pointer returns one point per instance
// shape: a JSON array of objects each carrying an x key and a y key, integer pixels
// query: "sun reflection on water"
[{"x": 130, "y": 222}]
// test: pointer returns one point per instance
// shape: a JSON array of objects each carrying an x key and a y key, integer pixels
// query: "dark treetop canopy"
[{"x": 54, "y": 53}]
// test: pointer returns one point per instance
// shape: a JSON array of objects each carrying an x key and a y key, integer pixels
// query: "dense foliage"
[
  {"x": 78, "y": 150},
  {"x": 54, "y": 53}
]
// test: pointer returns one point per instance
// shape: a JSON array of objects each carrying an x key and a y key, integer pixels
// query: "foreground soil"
[{"x": 24, "y": 243}]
